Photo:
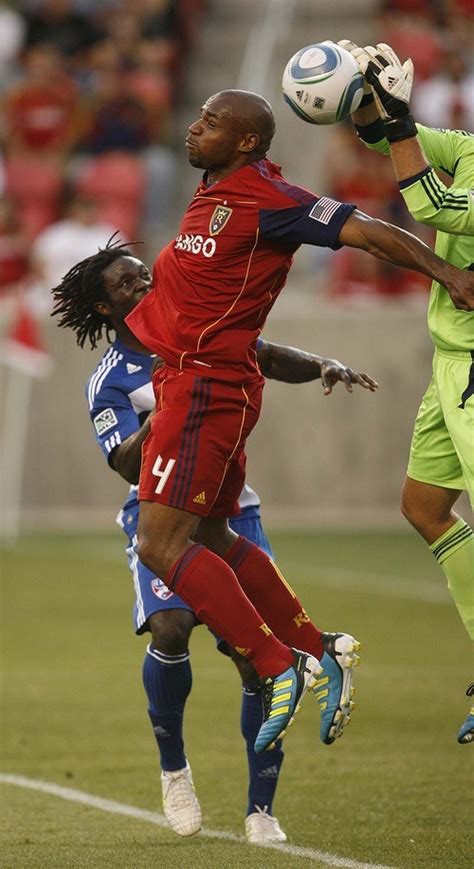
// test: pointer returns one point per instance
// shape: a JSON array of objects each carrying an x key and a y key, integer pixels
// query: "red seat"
[
  {"x": 36, "y": 185},
  {"x": 116, "y": 182}
]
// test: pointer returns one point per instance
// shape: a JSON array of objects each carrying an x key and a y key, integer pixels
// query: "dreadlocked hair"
[{"x": 81, "y": 288}]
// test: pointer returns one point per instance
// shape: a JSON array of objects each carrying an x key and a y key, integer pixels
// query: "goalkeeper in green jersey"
[{"x": 441, "y": 462}]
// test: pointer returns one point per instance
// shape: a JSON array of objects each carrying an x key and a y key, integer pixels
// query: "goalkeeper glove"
[
  {"x": 392, "y": 83},
  {"x": 361, "y": 59}
]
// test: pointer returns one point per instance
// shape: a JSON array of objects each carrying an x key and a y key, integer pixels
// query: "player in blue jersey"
[{"x": 121, "y": 400}]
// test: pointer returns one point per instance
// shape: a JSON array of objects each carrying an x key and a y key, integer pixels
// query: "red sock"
[
  {"x": 212, "y": 590},
  {"x": 271, "y": 595}
]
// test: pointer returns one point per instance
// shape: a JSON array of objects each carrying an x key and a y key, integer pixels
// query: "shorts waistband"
[{"x": 468, "y": 355}]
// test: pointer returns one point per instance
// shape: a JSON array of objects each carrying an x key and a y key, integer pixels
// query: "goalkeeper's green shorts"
[{"x": 442, "y": 447}]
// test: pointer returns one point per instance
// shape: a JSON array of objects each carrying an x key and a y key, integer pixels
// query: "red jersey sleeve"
[
  {"x": 318, "y": 223},
  {"x": 292, "y": 215}
]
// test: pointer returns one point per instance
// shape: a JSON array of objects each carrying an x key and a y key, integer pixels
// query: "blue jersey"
[{"x": 120, "y": 397}]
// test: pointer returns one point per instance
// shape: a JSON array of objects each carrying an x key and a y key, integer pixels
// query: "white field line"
[
  {"x": 365, "y": 581},
  {"x": 115, "y": 808},
  {"x": 386, "y": 585},
  {"x": 383, "y": 584}
]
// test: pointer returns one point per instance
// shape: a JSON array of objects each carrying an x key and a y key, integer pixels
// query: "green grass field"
[{"x": 395, "y": 791}]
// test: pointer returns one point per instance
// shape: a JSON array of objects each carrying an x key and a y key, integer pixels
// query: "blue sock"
[
  {"x": 167, "y": 680},
  {"x": 264, "y": 769}
]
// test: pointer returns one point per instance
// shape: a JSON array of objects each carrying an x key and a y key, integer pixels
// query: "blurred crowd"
[
  {"x": 438, "y": 36},
  {"x": 88, "y": 92}
]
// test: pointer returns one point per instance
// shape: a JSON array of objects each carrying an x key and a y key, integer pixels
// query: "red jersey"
[{"x": 214, "y": 285}]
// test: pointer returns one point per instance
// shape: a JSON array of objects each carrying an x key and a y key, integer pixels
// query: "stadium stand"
[{"x": 90, "y": 90}]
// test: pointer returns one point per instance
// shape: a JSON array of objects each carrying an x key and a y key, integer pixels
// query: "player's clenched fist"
[{"x": 460, "y": 287}]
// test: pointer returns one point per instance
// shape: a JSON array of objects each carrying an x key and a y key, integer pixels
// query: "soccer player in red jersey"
[{"x": 213, "y": 287}]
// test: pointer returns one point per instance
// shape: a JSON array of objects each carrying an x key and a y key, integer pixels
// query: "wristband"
[
  {"x": 371, "y": 133},
  {"x": 366, "y": 100},
  {"x": 397, "y": 129}
]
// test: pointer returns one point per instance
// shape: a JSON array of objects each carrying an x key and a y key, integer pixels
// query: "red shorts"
[{"x": 194, "y": 457}]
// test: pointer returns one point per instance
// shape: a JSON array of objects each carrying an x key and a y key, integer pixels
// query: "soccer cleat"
[
  {"x": 466, "y": 732},
  {"x": 260, "y": 828},
  {"x": 282, "y": 696},
  {"x": 333, "y": 689},
  {"x": 180, "y": 803}
]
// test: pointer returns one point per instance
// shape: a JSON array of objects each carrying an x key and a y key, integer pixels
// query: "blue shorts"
[
  {"x": 152, "y": 595},
  {"x": 249, "y": 524}
]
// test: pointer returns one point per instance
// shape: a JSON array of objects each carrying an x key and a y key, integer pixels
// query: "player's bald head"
[{"x": 251, "y": 112}]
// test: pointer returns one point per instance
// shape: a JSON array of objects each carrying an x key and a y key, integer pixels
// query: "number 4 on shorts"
[{"x": 164, "y": 474}]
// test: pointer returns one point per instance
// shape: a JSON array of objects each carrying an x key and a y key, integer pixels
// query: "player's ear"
[
  {"x": 249, "y": 143},
  {"x": 102, "y": 308}
]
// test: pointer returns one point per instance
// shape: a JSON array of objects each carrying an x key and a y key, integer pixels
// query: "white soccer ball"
[{"x": 322, "y": 83}]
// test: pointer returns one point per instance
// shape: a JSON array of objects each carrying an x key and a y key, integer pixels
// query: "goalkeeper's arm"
[
  {"x": 387, "y": 126},
  {"x": 428, "y": 199},
  {"x": 448, "y": 209}
]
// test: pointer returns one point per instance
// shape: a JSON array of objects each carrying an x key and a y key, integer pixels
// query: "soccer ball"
[{"x": 322, "y": 83}]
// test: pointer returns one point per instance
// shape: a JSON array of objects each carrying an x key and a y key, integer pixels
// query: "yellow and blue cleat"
[
  {"x": 466, "y": 732},
  {"x": 333, "y": 689},
  {"x": 282, "y": 696}
]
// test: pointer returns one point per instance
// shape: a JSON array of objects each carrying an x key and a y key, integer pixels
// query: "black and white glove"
[
  {"x": 361, "y": 58},
  {"x": 392, "y": 82}
]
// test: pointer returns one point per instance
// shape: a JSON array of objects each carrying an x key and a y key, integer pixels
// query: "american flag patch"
[{"x": 324, "y": 209}]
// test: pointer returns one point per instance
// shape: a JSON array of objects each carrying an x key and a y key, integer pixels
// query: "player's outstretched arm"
[
  {"x": 291, "y": 365},
  {"x": 428, "y": 199},
  {"x": 397, "y": 246},
  {"x": 385, "y": 123}
]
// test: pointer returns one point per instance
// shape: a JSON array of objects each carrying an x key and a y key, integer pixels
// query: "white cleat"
[
  {"x": 180, "y": 803},
  {"x": 261, "y": 828}
]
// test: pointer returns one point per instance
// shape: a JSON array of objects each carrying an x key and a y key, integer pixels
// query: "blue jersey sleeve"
[
  {"x": 113, "y": 418},
  {"x": 318, "y": 223}
]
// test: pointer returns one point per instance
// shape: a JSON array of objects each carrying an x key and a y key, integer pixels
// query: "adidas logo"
[
  {"x": 299, "y": 95},
  {"x": 132, "y": 369},
  {"x": 200, "y": 499},
  {"x": 270, "y": 772},
  {"x": 241, "y": 650},
  {"x": 160, "y": 731}
]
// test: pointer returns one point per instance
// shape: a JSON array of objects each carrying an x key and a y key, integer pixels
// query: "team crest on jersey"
[
  {"x": 160, "y": 589},
  {"x": 105, "y": 421},
  {"x": 219, "y": 219}
]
